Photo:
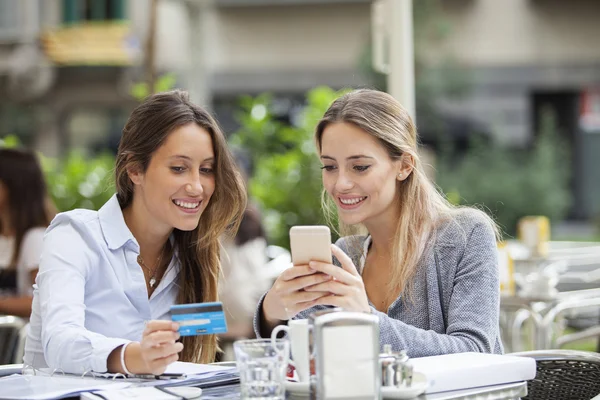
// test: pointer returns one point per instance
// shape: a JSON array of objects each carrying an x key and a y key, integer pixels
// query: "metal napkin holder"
[{"x": 332, "y": 318}]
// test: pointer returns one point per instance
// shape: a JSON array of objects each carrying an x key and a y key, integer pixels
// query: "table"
[{"x": 496, "y": 392}]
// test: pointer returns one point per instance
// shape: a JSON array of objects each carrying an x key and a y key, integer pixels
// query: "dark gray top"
[{"x": 456, "y": 293}]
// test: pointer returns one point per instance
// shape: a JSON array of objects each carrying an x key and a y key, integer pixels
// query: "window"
[{"x": 93, "y": 10}]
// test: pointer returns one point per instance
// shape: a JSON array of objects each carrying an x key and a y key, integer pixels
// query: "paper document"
[
  {"x": 199, "y": 375},
  {"x": 43, "y": 387},
  {"x": 197, "y": 369},
  {"x": 140, "y": 393},
  {"x": 37, "y": 387}
]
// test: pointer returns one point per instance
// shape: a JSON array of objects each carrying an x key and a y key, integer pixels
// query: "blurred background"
[{"x": 506, "y": 94}]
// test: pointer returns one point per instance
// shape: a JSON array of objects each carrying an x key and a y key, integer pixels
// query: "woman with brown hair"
[
  {"x": 107, "y": 279},
  {"x": 25, "y": 213},
  {"x": 428, "y": 270}
]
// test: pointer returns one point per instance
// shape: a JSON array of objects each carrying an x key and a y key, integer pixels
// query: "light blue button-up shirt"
[{"x": 90, "y": 295}]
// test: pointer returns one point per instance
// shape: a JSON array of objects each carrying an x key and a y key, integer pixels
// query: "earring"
[{"x": 400, "y": 176}]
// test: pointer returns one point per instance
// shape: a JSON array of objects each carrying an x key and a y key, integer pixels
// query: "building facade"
[{"x": 67, "y": 66}]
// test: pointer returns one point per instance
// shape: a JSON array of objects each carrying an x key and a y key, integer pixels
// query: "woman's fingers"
[
  {"x": 159, "y": 366},
  {"x": 296, "y": 271},
  {"x": 306, "y": 281},
  {"x": 337, "y": 273},
  {"x": 302, "y": 301},
  {"x": 160, "y": 337},
  {"x": 281, "y": 302},
  {"x": 160, "y": 325},
  {"x": 344, "y": 260},
  {"x": 304, "y": 296},
  {"x": 331, "y": 287},
  {"x": 332, "y": 300},
  {"x": 294, "y": 303},
  {"x": 163, "y": 351}
]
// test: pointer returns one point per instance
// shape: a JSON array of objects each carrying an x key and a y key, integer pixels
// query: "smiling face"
[
  {"x": 177, "y": 185},
  {"x": 359, "y": 175}
]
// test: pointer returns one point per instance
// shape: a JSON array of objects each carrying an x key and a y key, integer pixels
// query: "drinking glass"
[{"x": 262, "y": 364}]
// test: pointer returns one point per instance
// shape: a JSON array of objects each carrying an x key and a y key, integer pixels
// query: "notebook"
[{"x": 470, "y": 370}]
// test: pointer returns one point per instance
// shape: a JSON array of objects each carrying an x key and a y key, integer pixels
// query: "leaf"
[{"x": 10, "y": 141}]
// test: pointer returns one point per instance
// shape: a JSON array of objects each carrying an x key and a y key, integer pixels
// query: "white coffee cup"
[{"x": 298, "y": 334}]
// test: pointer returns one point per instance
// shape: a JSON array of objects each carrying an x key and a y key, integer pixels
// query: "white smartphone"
[{"x": 310, "y": 243}]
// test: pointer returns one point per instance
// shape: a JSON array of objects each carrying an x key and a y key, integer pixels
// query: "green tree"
[
  {"x": 141, "y": 90},
  {"x": 509, "y": 183},
  {"x": 287, "y": 178},
  {"x": 79, "y": 181}
]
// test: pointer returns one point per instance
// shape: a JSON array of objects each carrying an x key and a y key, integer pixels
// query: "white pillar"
[
  {"x": 393, "y": 54},
  {"x": 401, "y": 75},
  {"x": 196, "y": 79}
]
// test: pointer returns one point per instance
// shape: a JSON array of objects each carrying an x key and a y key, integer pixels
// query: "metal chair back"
[{"x": 564, "y": 374}]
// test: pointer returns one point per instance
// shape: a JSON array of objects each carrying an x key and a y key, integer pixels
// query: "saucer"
[
  {"x": 297, "y": 387},
  {"x": 419, "y": 385}
]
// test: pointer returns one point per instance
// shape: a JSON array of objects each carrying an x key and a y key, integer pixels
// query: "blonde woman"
[
  {"x": 426, "y": 269},
  {"x": 107, "y": 279}
]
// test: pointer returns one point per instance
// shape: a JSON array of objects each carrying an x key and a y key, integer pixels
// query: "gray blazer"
[{"x": 456, "y": 293}]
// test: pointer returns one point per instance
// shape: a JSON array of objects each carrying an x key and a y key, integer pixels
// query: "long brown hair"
[
  {"x": 198, "y": 250},
  {"x": 28, "y": 202},
  {"x": 421, "y": 206}
]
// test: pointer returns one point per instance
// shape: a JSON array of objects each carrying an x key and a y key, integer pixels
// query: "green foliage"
[
  {"x": 75, "y": 181},
  {"x": 9, "y": 141},
  {"x": 165, "y": 82},
  {"x": 78, "y": 181},
  {"x": 287, "y": 178},
  {"x": 510, "y": 184}
]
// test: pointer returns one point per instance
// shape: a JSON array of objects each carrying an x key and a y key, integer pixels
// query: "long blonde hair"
[
  {"x": 421, "y": 206},
  {"x": 198, "y": 250}
]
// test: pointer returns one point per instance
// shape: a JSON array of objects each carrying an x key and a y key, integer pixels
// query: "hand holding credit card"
[{"x": 199, "y": 318}]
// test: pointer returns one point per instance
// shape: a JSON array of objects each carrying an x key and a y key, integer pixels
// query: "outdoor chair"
[
  {"x": 11, "y": 331},
  {"x": 563, "y": 374}
]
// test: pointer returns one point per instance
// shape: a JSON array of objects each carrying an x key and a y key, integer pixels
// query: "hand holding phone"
[{"x": 287, "y": 296}]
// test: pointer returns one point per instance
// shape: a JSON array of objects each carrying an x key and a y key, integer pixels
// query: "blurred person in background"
[
  {"x": 243, "y": 263},
  {"x": 426, "y": 269},
  {"x": 108, "y": 278},
  {"x": 25, "y": 213}
]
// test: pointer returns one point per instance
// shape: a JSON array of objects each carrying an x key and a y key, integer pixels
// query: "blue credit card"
[{"x": 199, "y": 318}]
